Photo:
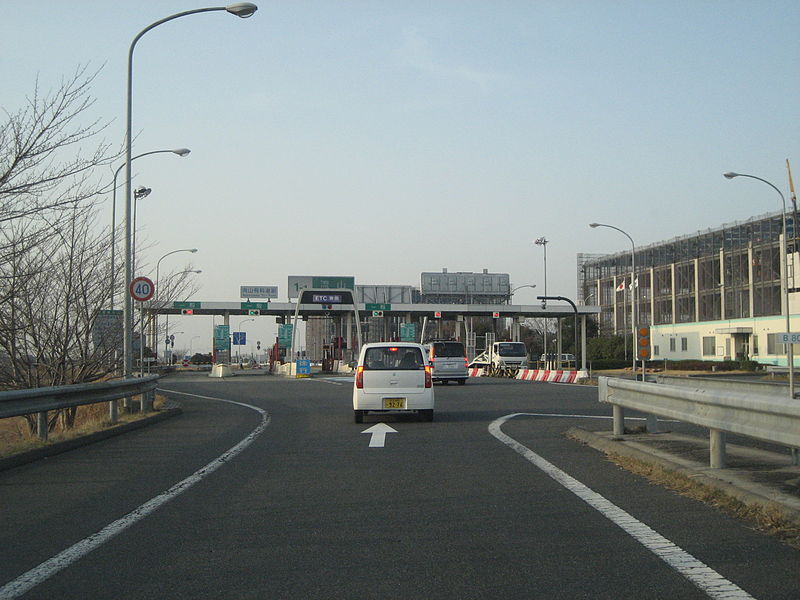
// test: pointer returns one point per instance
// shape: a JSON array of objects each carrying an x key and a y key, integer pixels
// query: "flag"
[{"x": 621, "y": 286}]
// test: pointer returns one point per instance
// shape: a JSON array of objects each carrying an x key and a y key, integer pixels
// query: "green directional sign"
[
  {"x": 408, "y": 332},
  {"x": 285, "y": 335},
  {"x": 255, "y": 305},
  {"x": 333, "y": 283},
  {"x": 186, "y": 305},
  {"x": 378, "y": 306}
]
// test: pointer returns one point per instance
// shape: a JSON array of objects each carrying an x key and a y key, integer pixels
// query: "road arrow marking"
[{"x": 378, "y": 432}]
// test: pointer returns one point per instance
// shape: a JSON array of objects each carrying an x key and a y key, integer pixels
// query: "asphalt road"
[{"x": 303, "y": 507}]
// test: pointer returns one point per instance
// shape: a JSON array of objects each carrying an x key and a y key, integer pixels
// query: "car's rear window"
[
  {"x": 396, "y": 358},
  {"x": 449, "y": 349}
]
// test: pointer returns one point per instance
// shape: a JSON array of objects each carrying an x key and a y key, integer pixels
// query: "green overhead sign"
[
  {"x": 378, "y": 306},
  {"x": 186, "y": 304},
  {"x": 255, "y": 305}
]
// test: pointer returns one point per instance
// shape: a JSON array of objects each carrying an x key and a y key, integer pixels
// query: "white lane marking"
[
  {"x": 700, "y": 574},
  {"x": 378, "y": 433},
  {"x": 332, "y": 380},
  {"x": 50, "y": 567}
]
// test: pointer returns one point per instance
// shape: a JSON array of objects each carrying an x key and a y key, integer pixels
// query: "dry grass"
[
  {"x": 15, "y": 437},
  {"x": 765, "y": 517}
]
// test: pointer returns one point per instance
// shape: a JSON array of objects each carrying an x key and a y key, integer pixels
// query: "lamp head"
[
  {"x": 192, "y": 250},
  {"x": 181, "y": 151},
  {"x": 242, "y": 9},
  {"x": 594, "y": 225},
  {"x": 730, "y": 175},
  {"x": 141, "y": 192}
]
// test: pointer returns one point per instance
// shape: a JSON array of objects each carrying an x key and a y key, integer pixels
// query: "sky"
[{"x": 380, "y": 139}]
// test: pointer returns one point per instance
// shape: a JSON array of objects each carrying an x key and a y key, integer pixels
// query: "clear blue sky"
[{"x": 381, "y": 139}]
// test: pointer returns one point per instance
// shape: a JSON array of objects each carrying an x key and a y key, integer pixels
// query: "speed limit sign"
[{"x": 142, "y": 289}]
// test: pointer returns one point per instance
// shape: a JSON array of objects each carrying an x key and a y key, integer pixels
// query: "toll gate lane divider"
[
  {"x": 50, "y": 567},
  {"x": 700, "y": 574}
]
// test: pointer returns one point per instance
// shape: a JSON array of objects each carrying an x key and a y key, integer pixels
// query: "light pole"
[
  {"x": 139, "y": 193},
  {"x": 542, "y": 241},
  {"x": 180, "y": 152},
  {"x": 633, "y": 286},
  {"x": 784, "y": 275},
  {"x": 240, "y": 9},
  {"x": 519, "y": 287},
  {"x": 239, "y": 349},
  {"x": 158, "y": 287}
]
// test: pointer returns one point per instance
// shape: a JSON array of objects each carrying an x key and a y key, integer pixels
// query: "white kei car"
[{"x": 393, "y": 376}]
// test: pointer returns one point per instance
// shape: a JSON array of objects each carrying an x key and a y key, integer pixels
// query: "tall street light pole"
[
  {"x": 784, "y": 275},
  {"x": 633, "y": 286},
  {"x": 240, "y": 9},
  {"x": 180, "y": 152},
  {"x": 542, "y": 241},
  {"x": 158, "y": 286}
]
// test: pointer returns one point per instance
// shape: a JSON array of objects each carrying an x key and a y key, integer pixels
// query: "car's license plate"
[{"x": 394, "y": 403}]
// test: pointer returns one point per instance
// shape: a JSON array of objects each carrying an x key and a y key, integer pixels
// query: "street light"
[
  {"x": 519, "y": 287},
  {"x": 180, "y": 152},
  {"x": 139, "y": 193},
  {"x": 784, "y": 275},
  {"x": 240, "y": 9},
  {"x": 158, "y": 287},
  {"x": 633, "y": 285}
]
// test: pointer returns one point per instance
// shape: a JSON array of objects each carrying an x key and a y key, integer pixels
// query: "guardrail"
[
  {"x": 39, "y": 401},
  {"x": 722, "y": 407}
]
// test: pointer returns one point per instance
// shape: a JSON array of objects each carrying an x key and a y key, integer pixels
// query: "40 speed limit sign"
[{"x": 142, "y": 289}]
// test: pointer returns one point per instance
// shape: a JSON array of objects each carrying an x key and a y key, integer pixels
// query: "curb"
[
  {"x": 723, "y": 480},
  {"x": 24, "y": 458}
]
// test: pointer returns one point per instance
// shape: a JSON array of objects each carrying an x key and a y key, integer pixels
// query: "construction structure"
[{"x": 713, "y": 295}]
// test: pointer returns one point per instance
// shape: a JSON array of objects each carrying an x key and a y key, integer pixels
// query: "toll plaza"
[{"x": 344, "y": 321}]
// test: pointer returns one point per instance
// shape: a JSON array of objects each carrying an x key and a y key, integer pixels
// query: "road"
[{"x": 266, "y": 488}]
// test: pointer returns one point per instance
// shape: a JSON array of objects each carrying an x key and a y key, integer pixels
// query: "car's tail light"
[
  {"x": 360, "y": 378},
  {"x": 428, "y": 378},
  {"x": 466, "y": 362}
]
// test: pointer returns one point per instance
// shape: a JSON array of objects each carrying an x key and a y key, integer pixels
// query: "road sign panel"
[
  {"x": 239, "y": 338},
  {"x": 369, "y": 306},
  {"x": 789, "y": 338},
  {"x": 258, "y": 291},
  {"x": 191, "y": 305},
  {"x": 254, "y": 305},
  {"x": 142, "y": 289}
]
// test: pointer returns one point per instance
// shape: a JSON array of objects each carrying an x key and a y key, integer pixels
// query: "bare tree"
[
  {"x": 42, "y": 162},
  {"x": 54, "y": 265}
]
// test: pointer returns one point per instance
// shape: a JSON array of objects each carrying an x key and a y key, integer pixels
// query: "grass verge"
[
  {"x": 764, "y": 517},
  {"x": 15, "y": 437}
]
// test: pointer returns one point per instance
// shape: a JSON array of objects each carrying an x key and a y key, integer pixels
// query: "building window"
[
  {"x": 655, "y": 350},
  {"x": 755, "y": 344},
  {"x": 684, "y": 344},
  {"x": 709, "y": 345},
  {"x": 672, "y": 344}
]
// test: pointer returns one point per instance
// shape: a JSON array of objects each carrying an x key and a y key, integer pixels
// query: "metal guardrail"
[
  {"x": 739, "y": 408},
  {"x": 17, "y": 403}
]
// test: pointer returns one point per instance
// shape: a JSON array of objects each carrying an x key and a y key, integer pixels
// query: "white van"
[
  {"x": 393, "y": 377},
  {"x": 448, "y": 361}
]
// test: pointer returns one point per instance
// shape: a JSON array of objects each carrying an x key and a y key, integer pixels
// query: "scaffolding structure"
[{"x": 731, "y": 272}]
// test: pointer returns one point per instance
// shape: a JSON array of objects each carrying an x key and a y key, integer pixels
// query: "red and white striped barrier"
[
  {"x": 551, "y": 376},
  {"x": 476, "y": 372}
]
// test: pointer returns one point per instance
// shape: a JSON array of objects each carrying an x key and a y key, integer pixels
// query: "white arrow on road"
[{"x": 378, "y": 432}]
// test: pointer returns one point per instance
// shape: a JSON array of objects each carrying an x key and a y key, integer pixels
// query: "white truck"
[{"x": 502, "y": 359}]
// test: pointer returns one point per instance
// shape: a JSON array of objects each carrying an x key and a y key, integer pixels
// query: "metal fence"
[
  {"x": 39, "y": 401},
  {"x": 753, "y": 410}
]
